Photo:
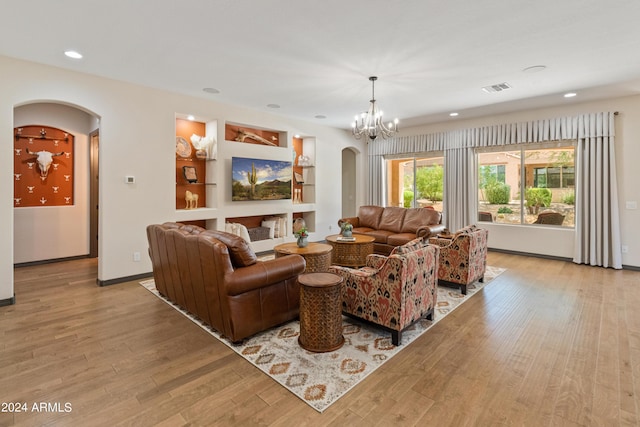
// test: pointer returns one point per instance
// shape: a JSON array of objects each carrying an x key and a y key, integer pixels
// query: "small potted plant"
[
  {"x": 346, "y": 229},
  {"x": 302, "y": 235}
]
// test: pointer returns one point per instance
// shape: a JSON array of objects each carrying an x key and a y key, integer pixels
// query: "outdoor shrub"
[
  {"x": 569, "y": 199},
  {"x": 497, "y": 193},
  {"x": 538, "y": 197},
  {"x": 505, "y": 210},
  {"x": 408, "y": 198}
]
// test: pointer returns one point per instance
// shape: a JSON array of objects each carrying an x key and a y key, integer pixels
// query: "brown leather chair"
[{"x": 216, "y": 276}]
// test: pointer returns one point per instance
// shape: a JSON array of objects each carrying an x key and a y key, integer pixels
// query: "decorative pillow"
[
  {"x": 238, "y": 230},
  {"x": 280, "y": 226},
  {"x": 271, "y": 225}
]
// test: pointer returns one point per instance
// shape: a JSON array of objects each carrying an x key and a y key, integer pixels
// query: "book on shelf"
[{"x": 346, "y": 239}]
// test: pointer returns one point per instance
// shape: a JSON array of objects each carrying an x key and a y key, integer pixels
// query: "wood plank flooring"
[{"x": 547, "y": 343}]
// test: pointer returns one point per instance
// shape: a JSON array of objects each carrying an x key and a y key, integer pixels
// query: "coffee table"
[
  {"x": 317, "y": 255},
  {"x": 320, "y": 312},
  {"x": 350, "y": 254}
]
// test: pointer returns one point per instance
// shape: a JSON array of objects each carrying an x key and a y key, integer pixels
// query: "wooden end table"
[
  {"x": 317, "y": 255},
  {"x": 351, "y": 254},
  {"x": 320, "y": 312}
]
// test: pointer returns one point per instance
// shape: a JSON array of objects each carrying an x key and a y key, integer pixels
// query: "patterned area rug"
[{"x": 320, "y": 379}]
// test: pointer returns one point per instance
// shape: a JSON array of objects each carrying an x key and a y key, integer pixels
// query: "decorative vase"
[
  {"x": 298, "y": 223},
  {"x": 346, "y": 233},
  {"x": 302, "y": 242}
]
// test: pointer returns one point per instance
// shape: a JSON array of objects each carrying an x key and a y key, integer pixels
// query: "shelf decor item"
[
  {"x": 298, "y": 224},
  {"x": 190, "y": 174},
  {"x": 183, "y": 148}
]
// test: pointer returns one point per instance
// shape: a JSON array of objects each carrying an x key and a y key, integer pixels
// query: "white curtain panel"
[
  {"x": 597, "y": 238},
  {"x": 461, "y": 188}
]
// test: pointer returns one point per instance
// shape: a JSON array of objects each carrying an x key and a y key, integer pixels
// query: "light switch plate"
[{"x": 631, "y": 205}]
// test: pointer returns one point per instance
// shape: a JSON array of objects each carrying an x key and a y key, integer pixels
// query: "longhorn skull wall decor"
[{"x": 43, "y": 170}]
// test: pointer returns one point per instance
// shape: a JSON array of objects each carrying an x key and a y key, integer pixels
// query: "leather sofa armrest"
[
  {"x": 355, "y": 221},
  {"x": 264, "y": 273},
  {"x": 429, "y": 230}
]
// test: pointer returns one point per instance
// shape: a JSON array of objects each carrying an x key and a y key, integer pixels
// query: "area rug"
[{"x": 319, "y": 379}]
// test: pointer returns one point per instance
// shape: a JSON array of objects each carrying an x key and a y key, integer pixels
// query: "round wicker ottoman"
[
  {"x": 320, "y": 312},
  {"x": 317, "y": 255}
]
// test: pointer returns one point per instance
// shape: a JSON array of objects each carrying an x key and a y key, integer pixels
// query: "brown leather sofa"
[
  {"x": 216, "y": 276},
  {"x": 395, "y": 226}
]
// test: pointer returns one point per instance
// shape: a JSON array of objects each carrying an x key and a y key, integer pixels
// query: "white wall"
[
  {"x": 137, "y": 137},
  {"x": 560, "y": 242},
  {"x": 43, "y": 233}
]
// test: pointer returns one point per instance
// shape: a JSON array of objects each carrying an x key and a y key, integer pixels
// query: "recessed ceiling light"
[
  {"x": 570, "y": 95},
  {"x": 273, "y": 106},
  {"x": 73, "y": 54},
  {"x": 190, "y": 117},
  {"x": 320, "y": 116},
  {"x": 535, "y": 69},
  {"x": 210, "y": 90},
  {"x": 453, "y": 114}
]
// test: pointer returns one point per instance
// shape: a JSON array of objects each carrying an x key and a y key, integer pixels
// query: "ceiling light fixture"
[
  {"x": 570, "y": 95},
  {"x": 370, "y": 123},
  {"x": 273, "y": 106},
  {"x": 73, "y": 54},
  {"x": 211, "y": 90},
  {"x": 453, "y": 114}
]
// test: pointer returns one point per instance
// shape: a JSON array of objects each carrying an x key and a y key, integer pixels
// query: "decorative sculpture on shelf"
[
  {"x": 243, "y": 134},
  {"x": 206, "y": 146},
  {"x": 304, "y": 160},
  {"x": 191, "y": 199}
]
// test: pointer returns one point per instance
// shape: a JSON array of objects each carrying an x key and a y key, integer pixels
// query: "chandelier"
[{"x": 370, "y": 123}]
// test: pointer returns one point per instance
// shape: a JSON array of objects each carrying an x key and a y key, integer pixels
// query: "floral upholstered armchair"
[
  {"x": 463, "y": 257},
  {"x": 394, "y": 291}
]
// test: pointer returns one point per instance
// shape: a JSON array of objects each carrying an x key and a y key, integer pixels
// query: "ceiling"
[{"x": 313, "y": 58}]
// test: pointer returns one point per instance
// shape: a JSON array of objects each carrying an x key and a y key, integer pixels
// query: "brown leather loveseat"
[
  {"x": 395, "y": 226},
  {"x": 216, "y": 276}
]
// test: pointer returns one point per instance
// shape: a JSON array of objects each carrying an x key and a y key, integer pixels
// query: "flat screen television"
[{"x": 258, "y": 179}]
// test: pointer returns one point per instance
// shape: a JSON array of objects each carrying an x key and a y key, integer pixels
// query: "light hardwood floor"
[{"x": 547, "y": 343}]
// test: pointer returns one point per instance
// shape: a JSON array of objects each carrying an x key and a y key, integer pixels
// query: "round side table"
[
  {"x": 316, "y": 255},
  {"x": 320, "y": 312}
]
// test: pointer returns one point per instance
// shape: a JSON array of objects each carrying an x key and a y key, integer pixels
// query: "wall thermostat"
[{"x": 130, "y": 179}]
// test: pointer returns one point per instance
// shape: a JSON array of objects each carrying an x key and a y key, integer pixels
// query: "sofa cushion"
[
  {"x": 398, "y": 239},
  {"x": 418, "y": 217},
  {"x": 240, "y": 252},
  {"x": 369, "y": 216},
  {"x": 392, "y": 218},
  {"x": 380, "y": 236}
]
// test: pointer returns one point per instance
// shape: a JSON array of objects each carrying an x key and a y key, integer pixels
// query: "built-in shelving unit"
[{"x": 213, "y": 177}]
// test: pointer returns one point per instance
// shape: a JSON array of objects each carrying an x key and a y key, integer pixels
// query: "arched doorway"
[
  {"x": 51, "y": 233},
  {"x": 349, "y": 183}
]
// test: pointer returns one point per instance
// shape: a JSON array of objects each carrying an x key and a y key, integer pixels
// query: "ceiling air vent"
[{"x": 496, "y": 88}]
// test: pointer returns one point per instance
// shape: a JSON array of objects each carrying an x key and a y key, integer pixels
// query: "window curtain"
[
  {"x": 597, "y": 229},
  {"x": 461, "y": 188},
  {"x": 597, "y": 237}
]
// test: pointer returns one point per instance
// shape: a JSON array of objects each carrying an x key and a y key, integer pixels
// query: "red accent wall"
[{"x": 29, "y": 188}]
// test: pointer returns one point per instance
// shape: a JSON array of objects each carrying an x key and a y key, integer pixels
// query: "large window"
[
  {"x": 415, "y": 182},
  {"x": 531, "y": 185}
]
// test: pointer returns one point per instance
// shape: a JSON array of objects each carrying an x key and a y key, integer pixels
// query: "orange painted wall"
[{"x": 29, "y": 188}]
